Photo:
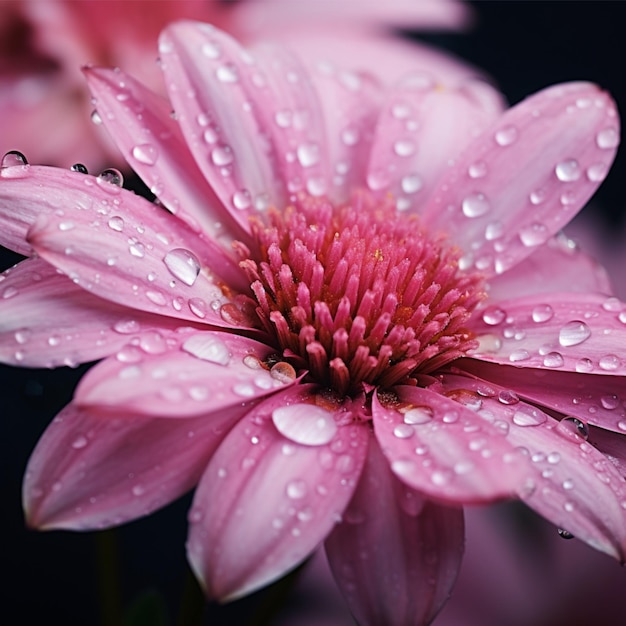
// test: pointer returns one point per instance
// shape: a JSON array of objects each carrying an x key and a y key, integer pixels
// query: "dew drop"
[
  {"x": 494, "y": 316},
  {"x": 404, "y": 147},
  {"x": 528, "y": 416},
  {"x": 572, "y": 427},
  {"x": 111, "y": 176},
  {"x": 308, "y": 154},
  {"x": 597, "y": 172},
  {"x": 494, "y": 230},
  {"x": 116, "y": 223},
  {"x": 553, "y": 359},
  {"x": 534, "y": 234},
  {"x": 609, "y": 402},
  {"x": 211, "y": 50},
  {"x": 403, "y": 431},
  {"x": 506, "y": 136},
  {"x": 542, "y": 313},
  {"x": 304, "y": 423},
  {"x": 283, "y": 372},
  {"x": 79, "y": 167},
  {"x": 574, "y": 333},
  {"x": 508, "y": 397},
  {"x": 568, "y": 171},
  {"x": 519, "y": 355},
  {"x": 145, "y": 153},
  {"x": 477, "y": 170},
  {"x": 537, "y": 196},
  {"x": 564, "y": 534},
  {"x": 136, "y": 248},
  {"x": 80, "y": 442},
  {"x": 227, "y": 73},
  {"x": 13, "y": 158},
  {"x": 242, "y": 199},
  {"x": 126, "y": 327},
  {"x": 296, "y": 489},
  {"x": 183, "y": 265},
  {"x": 411, "y": 183},
  {"x": 207, "y": 348},
  {"x": 584, "y": 366},
  {"x": 198, "y": 307},
  {"x": 607, "y": 138},
  {"x": 222, "y": 155},
  {"x": 156, "y": 297},
  {"x": 418, "y": 415},
  {"x": 475, "y": 205},
  {"x": 609, "y": 362}
]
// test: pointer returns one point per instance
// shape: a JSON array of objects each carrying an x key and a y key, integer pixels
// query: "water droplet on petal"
[
  {"x": 111, "y": 176},
  {"x": 404, "y": 147},
  {"x": 222, "y": 155},
  {"x": 304, "y": 423},
  {"x": 145, "y": 153},
  {"x": 508, "y": 397},
  {"x": 296, "y": 489},
  {"x": 574, "y": 333},
  {"x": 568, "y": 171},
  {"x": 564, "y": 534},
  {"x": 242, "y": 199},
  {"x": 198, "y": 307},
  {"x": 506, "y": 136},
  {"x": 494, "y": 316},
  {"x": 208, "y": 348},
  {"x": 308, "y": 154},
  {"x": 477, "y": 170},
  {"x": 418, "y": 415},
  {"x": 534, "y": 234},
  {"x": 13, "y": 158},
  {"x": 411, "y": 183},
  {"x": 79, "y": 167},
  {"x": 283, "y": 372},
  {"x": 183, "y": 265},
  {"x": 572, "y": 427},
  {"x": 227, "y": 73},
  {"x": 607, "y": 138},
  {"x": 609, "y": 362},
  {"x": 542, "y": 313},
  {"x": 403, "y": 431},
  {"x": 553, "y": 359},
  {"x": 475, "y": 205},
  {"x": 116, "y": 223},
  {"x": 609, "y": 402},
  {"x": 80, "y": 442},
  {"x": 528, "y": 416},
  {"x": 211, "y": 49},
  {"x": 597, "y": 172}
]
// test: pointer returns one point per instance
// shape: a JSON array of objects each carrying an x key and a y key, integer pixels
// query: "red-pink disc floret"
[{"x": 360, "y": 294}]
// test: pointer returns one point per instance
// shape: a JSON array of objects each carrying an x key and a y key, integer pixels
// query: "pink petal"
[
  {"x": 395, "y": 556},
  {"x": 140, "y": 122},
  {"x": 443, "y": 449},
  {"x": 422, "y": 127},
  {"x": 93, "y": 470},
  {"x": 350, "y": 103},
  {"x": 596, "y": 400},
  {"x": 125, "y": 249},
  {"x": 612, "y": 445},
  {"x": 252, "y": 124},
  {"x": 575, "y": 332},
  {"x": 573, "y": 484},
  {"x": 557, "y": 265},
  {"x": 194, "y": 373},
  {"x": 265, "y": 501},
  {"x": 48, "y": 321},
  {"x": 543, "y": 160}
]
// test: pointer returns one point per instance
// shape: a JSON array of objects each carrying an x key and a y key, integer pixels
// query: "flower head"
[{"x": 354, "y": 317}]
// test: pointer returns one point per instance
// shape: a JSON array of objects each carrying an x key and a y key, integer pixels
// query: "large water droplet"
[
  {"x": 116, "y": 223},
  {"x": 183, "y": 265},
  {"x": 222, "y": 155},
  {"x": 609, "y": 362},
  {"x": 242, "y": 199},
  {"x": 494, "y": 316},
  {"x": 475, "y": 205},
  {"x": 111, "y": 176},
  {"x": 403, "y": 431},
  {"x": 79, "y": 167},
  {"x": 145, "y": 153},
  {"x": 13, "y": 158},
  {"x": 542, "y": 313},
  {"x": 574, "y": 333},
  {"x": 304, "y": 423},
  {"x": 411, "y": 183},
  {"x": 418, "y": 415},
  {"x": 227, "y": 73},
  {"x": 573, "y": 428},
  {"x": 553, "y": 359},
  {"x": 568, "y": 171},
  {"x": 609, "y": 402},
  {"x": 208, "y": 348},
  {"x": 308, "y": 154},
  {"x": 534, "y": 234}
]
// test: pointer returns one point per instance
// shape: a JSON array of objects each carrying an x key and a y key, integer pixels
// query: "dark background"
[{"x": 57, "y": 577}]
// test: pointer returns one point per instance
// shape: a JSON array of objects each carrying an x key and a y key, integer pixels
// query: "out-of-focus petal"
[
  {"x": 542, "y": 161},
  {"x": 125, "y": 249},
  {"x": 93, "y": 469},
  {"x": 396, "y": 563},
  {"x": 140, "y": 122},
  {"x": 573, "y": 485},
  {"x": 266, "y": 501},
  {"x": 575, "y": 332},
  {"x": 596, "y": 400},
  {"x": 194, "y": 374},
  {"x": 423, "y": 126},
  {"x": 443, "y": 449},
  {"x": 48, "y": 321},
  {"x": 558, "y": 265}
]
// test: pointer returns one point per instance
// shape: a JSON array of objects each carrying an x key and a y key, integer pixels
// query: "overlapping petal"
[
  {"x": 265, "y": 501},
  {"x": 575, "y": 332},
  {"x": 194, "y": 373},
  {"x": 422, "y": 127},
  {"x": 573, "y": 485},
  {"x": 542, "y": 161},
  {"x": 93, "y": 469},
  {"x": 48, "y": 321},
  {"x": 141, "y": 125},
  {"x": 125, "y": 249},
  {"x": 395, "y": 563},
  {"x": 443, "y": 449}
]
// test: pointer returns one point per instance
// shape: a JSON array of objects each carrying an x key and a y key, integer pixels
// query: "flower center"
[{"x": 359, "y": 294}]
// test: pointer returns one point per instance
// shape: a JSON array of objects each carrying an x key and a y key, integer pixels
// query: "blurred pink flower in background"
[
  {"x": 44, "y": 111},
  {"x": 358, "y": 297}
]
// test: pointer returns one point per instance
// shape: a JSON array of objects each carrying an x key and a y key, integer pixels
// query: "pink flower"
[
  {"x": 43, "y": 107},
  {"x": 354, "y": 318}
]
